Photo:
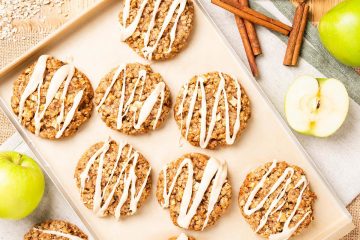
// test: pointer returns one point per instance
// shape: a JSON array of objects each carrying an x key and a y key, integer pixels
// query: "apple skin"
[
  {"x": 22, "y": 185},
  {"x": 339, "y": 31}
]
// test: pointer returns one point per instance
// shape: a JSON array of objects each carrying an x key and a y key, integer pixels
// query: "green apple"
[
  {"x": 316, "y": 106},
  {"x": 340, "y": 32},
  {"x": 22, "y": 185}
]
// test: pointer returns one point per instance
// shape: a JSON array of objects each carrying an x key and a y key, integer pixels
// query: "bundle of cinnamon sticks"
[{"x": 246, "y": 17}]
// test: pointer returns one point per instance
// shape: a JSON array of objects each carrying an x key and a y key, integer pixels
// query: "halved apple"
[{"x": 316, "y": 106}]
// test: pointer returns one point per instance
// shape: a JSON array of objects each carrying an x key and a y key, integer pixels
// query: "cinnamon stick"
[
  {"x": 251, "y": 32},
  {"x": 246, "y": 42},
  {"x": 266, "y": 18},
  {"x": 255, "y": 17},
  {"x": 300, "y": 36},
  {"x": 294, "y": 34},
  {"x": 245, "y": 39}
]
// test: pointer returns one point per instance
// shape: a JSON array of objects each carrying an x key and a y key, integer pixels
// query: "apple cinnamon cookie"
[
  {"x": 156, "y": 29},
  {"x": 133, "y": 99},
  {"x": 52, "y": 99},
  {"x": 212, "y": 110},
  {"x": 182, "y": 236},
  {"x": 113, "y": 179},
  {"x": 55, "y": 229},
  {"x": 196, "y": 190},
  {"x": 276, "y": 200}
]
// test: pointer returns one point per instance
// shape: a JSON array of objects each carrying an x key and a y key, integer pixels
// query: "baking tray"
[{"x": 93, "y": 41}]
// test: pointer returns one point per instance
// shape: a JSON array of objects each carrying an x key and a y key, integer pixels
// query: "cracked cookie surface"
[
  {"x": 65, "y": 101},
  {"x": 55, "y": 230},
  {"x": 212, "y": 110},
  {"x": 113, "y": 179},
  {"x": 142, "y": 99},
  {"x": 157, "y": 29},
  {"x": 276, "y": 200},
  {"x": 196, "y": 190}
]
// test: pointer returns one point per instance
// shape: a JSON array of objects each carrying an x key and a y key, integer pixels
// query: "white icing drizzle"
[
  {"x": 275, "y": 205},
  {"x": 71, "y": 113},
  {"x": 214, "y": 170},
  {"x": 205, "y": 134},
  {"x": 100, "y": 203},
  {"x": 287, "y": 231},
  {"x": 127, "y": 31},
  {"x": 115, "y": 77},
  {"x": 182, "y": 236},
  {"x": 60, "y": 118},
  {"x": 34, "y": 83},
  {"x": 148, "y": 104},
  {"x": 59, "y": 234},
  {"x": 64, "y": 73}
]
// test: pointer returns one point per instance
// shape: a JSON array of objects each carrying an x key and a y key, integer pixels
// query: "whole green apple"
[
  {"x": 340, "y": 32},
  {"x": 22, "y": 185}
]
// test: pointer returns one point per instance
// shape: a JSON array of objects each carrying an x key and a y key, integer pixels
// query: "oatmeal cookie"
[
  {"x": 197, "y": 190},
  {"x": 113, "y": 179},
  {"x": 182, "y": 236},
  {"x": 55, "y": 229},
  {"x": 212, "y": 110},
  {"x": 157, "y": 29},
  {"x": 140, "y": 96},
  {"x": 52, "y": 98},
  {"x": 276, "y": 200}
]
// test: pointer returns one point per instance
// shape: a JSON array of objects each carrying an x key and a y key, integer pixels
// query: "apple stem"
[{"x": 18, "y": 159}]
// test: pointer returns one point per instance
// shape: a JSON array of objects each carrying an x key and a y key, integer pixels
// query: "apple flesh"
[
  {"x": 22, "y": 185},
  {"x": 316, "y": 106},
  {"x": 339, "y": 31}
]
